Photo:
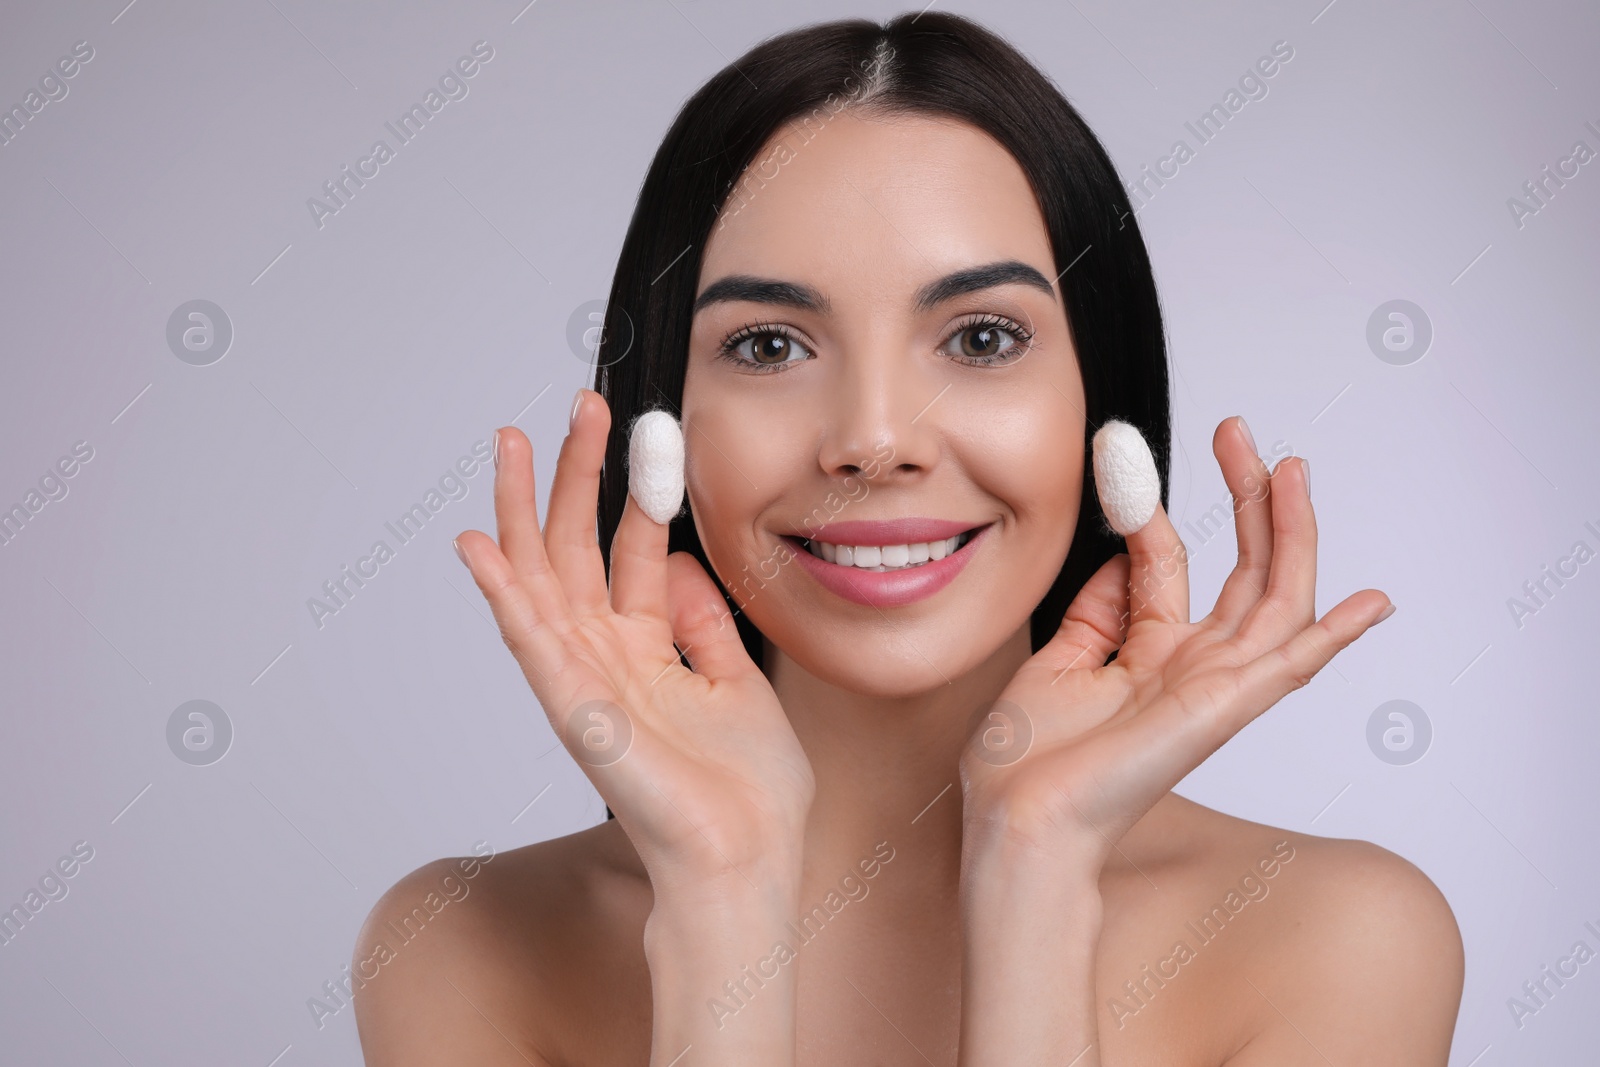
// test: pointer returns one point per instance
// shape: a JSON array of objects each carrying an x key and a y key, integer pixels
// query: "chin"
[{"x": 890, "y": 654}]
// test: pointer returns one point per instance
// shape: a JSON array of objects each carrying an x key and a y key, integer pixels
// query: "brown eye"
[
  {"x": 770, "y": 348},
  {"x": 763, "y": 349},
  {"x": 983, "y": 341},
  {"x": 988, "y": 342}
]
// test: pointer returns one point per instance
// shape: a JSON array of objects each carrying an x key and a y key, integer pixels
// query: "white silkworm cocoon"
[
  {"x": 655, "y": 465},
  {"x": 1125, "y": 477}
]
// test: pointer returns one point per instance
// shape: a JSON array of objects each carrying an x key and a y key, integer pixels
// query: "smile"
[
  {"x": 889, "y": 563},
  {"x": 887, "y": 557}
]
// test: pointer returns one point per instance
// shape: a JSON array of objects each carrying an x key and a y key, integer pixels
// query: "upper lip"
[{"x": 911, "y": 531}]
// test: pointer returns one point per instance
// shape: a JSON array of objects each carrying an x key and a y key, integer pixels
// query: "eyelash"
[{"x": 1021, "y": 337}]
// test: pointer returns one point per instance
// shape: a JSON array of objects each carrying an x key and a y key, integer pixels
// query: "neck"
[{"x": 886, "y": 766}]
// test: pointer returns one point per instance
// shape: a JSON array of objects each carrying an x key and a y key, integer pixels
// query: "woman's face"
[{"x": 896, "y": 349}]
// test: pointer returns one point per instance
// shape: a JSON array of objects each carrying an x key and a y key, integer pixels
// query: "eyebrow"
[{"x": 756, "y": 290}]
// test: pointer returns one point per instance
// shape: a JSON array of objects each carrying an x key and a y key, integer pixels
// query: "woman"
[{"x": 901, "y": 811}]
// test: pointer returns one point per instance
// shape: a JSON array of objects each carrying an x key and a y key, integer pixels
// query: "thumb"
[
  {"x": 702, "y": 626},
  {"x": 1096, "y": 622}
]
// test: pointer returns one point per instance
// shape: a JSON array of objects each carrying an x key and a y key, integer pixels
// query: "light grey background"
[{"x": 373, "y": 352}]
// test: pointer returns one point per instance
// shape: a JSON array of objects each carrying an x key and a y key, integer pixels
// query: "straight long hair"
[{"x": 932, "y": 63}]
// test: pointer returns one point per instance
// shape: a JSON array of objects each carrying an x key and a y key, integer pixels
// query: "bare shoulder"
[
  {"x": 497, "y": 957},
  {"x": 1373, "y": 962},
  {"x": 1352, "y": 953}
]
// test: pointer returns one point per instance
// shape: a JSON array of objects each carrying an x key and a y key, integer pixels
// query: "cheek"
[
  {"x": 1034, "y": 465},
  {"x": 1030, "y": 456},
  {"x": 735, "y": 463}
]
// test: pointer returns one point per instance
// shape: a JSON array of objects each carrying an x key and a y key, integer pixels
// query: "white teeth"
[{"x": 886, "y": 557}]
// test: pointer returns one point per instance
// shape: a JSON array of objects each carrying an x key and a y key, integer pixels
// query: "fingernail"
[
  {"x": 1248, "y": 436},
  {"x": 577, "y": 402},
  {"x": 1386, "y": 613},
  {"x": 1305, "y": 472},
  {"x": 1125, "y": 477},
  {"x": 462, "y": 556},
  {"x": 497, "y": 450},
  {"x": 655, "y": 465}
]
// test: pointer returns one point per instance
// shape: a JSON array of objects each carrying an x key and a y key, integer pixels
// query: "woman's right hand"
[{"x": 701, "y": 767}]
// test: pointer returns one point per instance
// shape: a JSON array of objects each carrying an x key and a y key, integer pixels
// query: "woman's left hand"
[{"x": 1076, "y": 750}]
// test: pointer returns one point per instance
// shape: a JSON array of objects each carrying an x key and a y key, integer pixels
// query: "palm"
[
  {"x": 700, "y": 765},
  {"x": 713, "y": 759},
  {"x": 1091, "y": 746}
]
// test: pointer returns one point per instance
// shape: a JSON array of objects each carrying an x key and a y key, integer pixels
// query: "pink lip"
[{"x": 888, "y": 588}]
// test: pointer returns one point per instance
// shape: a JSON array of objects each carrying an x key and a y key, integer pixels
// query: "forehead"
[{"x": 872, "y": 207}]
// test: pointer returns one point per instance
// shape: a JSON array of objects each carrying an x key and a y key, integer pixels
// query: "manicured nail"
[
  {"x": 497, "y": 450},
  {"x": 1125, "y": 477},
  {"x": 1248, "y": 436},
  {"x": 655, "y": 465},
  {"x": 462, "y": 556},
  {"x": 1386, "y": 613},
  {"x": 577, "y": 402}
]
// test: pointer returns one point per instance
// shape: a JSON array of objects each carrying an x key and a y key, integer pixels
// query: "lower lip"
[{"x": 882, "y": 589}]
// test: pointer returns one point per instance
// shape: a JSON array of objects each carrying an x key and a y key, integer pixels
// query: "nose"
[{"x": 881, "y": 420}]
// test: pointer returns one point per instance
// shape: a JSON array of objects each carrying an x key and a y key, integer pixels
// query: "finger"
[
  {"x": 1158, "y": 573},
  {"x": 517, "y": 526},
  {"x": 1129, "y": 489},
  {"x": 1095, "y": 624},
  {"x": 639, "y": 549},
  {"x": 1247, "y": 480},
  {"x": 1188, "y": 724},
  {"x": 537, "y": 646},
  {"x": 1289, "y": 604},
  {"x": 1281, "y": 670},
  {"x": 702, "y": 626},
  {"x": 570, "y": 531}
]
